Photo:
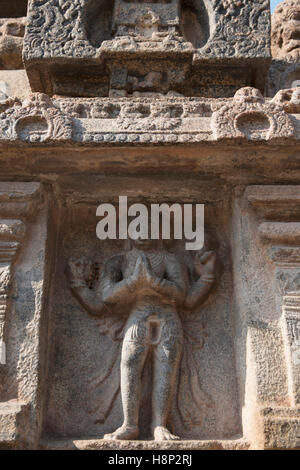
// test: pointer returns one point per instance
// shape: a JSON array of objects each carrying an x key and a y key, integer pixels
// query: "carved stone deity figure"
[
  {"x": 286, "y": 30},
  {"x": 151, "y": 286},
  {"x": 146, "y": 18}
]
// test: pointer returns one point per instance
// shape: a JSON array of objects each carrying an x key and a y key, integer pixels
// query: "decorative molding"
[
  {"x": 277, "y": 232},
  {"x": 15, "y": 199},
  {"x": 283, "y": 238},
  {"x": 57, "y": 29},
  {"x": 35, "y": 119},
  {"x": 147, "y": 121},
  {"x": 291, "y": 312},
  {"x": 251, "y": 117}
]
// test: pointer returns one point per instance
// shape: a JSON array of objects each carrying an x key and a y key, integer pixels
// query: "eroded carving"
[
  {"x": 289, "y": 99},
  {"x": 293, "y": 325},
  {"x": 146, "y": 19},
  {"x": 230, "y": 19},
  {"x": 233, "y": 29},
  {"x": 56, "y": 23},
  {"x": 35, "y": 120},
  {"x": 286, "y": 31},
  {"x": 12, "y": 232},
  {"x": 285, "y": 69},
  {"x": 291, "y": 318},
  {"x": 19, "y": 200},
  {"x": 190, "y": 32},
  {"x": 7, "y": 254},
  {"x": 150, "y": 289},
  {"x": 251, "y": 117},
  {"x": 11, "y": 42},
  {"x": 151, "y": 80}
]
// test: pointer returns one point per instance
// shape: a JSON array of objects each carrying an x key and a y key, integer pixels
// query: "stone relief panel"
[
  {"x": 151, "y": 363},
  {"x": 149, "y": 283},
  {"x": 285, "y": 41},
  {"x": 102, "y": 35},
  {"x": 266, "y": 279},
  {"x": 146, "y": 19},
  {"x": 35, "y": 119},
  {"x": 294, "y": 337},
  {"x": 142, "y": 120},
  {"x": 250, "y": 117},
  {"x": 276, "y": 218},
  {"x": 288, "y": 281},
  {"x": 23, "y": 286},
  {"x": 232, "y": 19},
  {"x": 11, "y": 232},
  {"x": 289, "y": 99}
]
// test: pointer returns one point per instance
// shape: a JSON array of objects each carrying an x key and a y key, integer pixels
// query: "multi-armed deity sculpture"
[{"x": 151, "y": 288}]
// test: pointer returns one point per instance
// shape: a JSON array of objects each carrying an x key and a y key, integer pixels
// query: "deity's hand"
[
  {"x": 205, "y": 264},
  {"x": 79, "y": 272},
  {"x": 142, "y": 270},
  {"x": 143, "y": 275}
]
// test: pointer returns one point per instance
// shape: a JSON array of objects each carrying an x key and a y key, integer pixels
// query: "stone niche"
[
  {"x": 120, "y": 48},
  {"x": 83, "y": 397}
]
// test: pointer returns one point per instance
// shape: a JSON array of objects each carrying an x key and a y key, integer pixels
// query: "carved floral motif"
[
  {"x": 35, "y": 120},
  {"x": 235, "y": 22},
  {"x": 56, "y": 28},
  {"x": 11, "y": 232},
  {"x": 251, "y": 117}
]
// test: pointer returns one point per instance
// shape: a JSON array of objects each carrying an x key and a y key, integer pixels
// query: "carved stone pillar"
[
  {"x": 11, "y": 233},
  {"x": 291, "y": 318},
  {"x": 23, "y": 286},
  {"x": 273, "y": 214}
]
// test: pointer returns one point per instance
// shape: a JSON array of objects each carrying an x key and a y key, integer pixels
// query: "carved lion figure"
[{"x": 286, "y": 30}]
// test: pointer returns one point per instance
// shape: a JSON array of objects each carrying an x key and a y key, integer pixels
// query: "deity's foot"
[
  {"x": 124, "y": 433},
  {"x": 163, "y": 434}
]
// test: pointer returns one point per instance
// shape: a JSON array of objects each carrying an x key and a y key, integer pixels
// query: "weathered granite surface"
[
  {"x": 246, "y": 117},
  {"x": 285, "y": 69},
  {"x": 165, "y": 46},
  {"x": 113, "y": 344}
]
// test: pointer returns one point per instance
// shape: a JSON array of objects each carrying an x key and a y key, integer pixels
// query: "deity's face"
[
  {"x": 146, "y": 245},
  {"x": 286, "y": 30},
  {"x": 291, "y": 32}
]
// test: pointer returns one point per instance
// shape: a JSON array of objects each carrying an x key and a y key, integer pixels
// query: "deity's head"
[
  {"x": 286, "y": 30},
  {"x": 148, "y": 244}
]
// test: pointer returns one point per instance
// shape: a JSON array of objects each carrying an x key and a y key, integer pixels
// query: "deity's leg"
[
  {"x": 166, "y": 365},
  {"x": 132, "y": 362}
]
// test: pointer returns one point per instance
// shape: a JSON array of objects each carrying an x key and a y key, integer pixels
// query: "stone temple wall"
[{"x": 122, "y": 344}]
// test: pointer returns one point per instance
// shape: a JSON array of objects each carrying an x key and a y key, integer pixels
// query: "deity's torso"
[
  {"x": 157, "y": 260},
  {"x": 154, "y": 315}
]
